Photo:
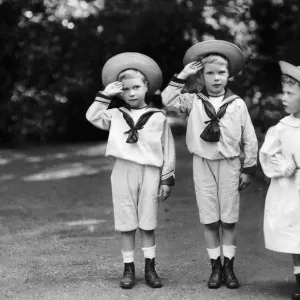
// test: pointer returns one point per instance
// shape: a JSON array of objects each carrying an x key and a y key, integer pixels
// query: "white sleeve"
[
  {"x": 273, "y": 163},
  {"x": 249, "y": 140},
  {"x": 174, "y": 100},
  {"x": 168, "y": 168},
  {"x": 98, "y": 114}
]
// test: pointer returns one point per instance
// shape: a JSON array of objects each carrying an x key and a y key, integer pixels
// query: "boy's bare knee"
[
  {"x": 213, "y": 226},
  {"x": 128, "y": 232},
  {"x": 228, "y": 226},
  {"x": 147, "y": 231}
]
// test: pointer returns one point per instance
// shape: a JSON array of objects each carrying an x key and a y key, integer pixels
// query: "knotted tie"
[
  {"x": 133, "y": 134},
  {"x": 212, "y": 131}
]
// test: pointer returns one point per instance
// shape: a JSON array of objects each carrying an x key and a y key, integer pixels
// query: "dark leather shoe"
[
  {"x": 296, "y": 294},
  {"x": 229, "y": 276},
  {"x": 151, "y": 276},
  {"x": 128, "y": 279},
  {"x": 215, "y": 279}
]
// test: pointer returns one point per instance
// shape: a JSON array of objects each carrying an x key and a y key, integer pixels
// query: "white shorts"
[
  {"x": 216, "y": 186},
  {"x": 135, "y": 195}
]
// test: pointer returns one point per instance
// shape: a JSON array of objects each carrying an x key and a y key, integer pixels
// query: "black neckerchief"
[
  {"x": 133, "y": 134},
  {"x": 212, "y": 131}
]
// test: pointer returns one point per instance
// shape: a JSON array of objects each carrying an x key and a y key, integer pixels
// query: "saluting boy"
[
  {"x": 141, "y": 142},
  {"x": 218, "y": 126}
]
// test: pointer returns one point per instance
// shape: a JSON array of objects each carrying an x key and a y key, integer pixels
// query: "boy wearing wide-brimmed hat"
[
  {"x": 141, "y": 142},
  {"x": 218, "y": 126},
  {"x": 280, "y": 160}
]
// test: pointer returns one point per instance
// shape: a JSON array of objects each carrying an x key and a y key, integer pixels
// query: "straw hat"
[
  {"x": 133, "y": 60},
  {"x": 289, "y": 69},
  {"x": 232, "y": 52}
]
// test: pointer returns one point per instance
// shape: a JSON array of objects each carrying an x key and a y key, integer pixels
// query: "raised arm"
[
  {"x": 98, "y": 114},
  {"x": 172, "y": 97}
]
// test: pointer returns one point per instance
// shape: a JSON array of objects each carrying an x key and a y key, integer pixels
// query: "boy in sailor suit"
[
  {"x": 141, "y": 142},
  {"x": 218, "y": 125},
  {"x": 280, "y": 160}
]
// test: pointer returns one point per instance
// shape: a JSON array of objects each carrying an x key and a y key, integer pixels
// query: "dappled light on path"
[
  {"x": 6, "y": 177},
  {"x": 85, "y": 222},
  {"x": 67, "y": 171},
  {"x": 54, "y": 163},
  {"x": 7, "y": 157}
]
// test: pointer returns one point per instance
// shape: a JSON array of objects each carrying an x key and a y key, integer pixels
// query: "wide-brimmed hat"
[
  {"x": 289, "y": 69},
  {"x": 232, "y": 52},
  {"x": 133, "y": 60}
]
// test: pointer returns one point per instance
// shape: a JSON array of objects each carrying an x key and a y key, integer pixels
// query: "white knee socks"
[
  {"x": 229, "y": 251},
  {"x": 128, "y": 256},
  {"x": 296, "y": 270},
  {"x": 214, "y": 253},
  {"x": 149, "y": 252}
]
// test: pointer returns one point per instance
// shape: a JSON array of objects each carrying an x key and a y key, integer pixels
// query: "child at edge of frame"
[
  {"x": 141, "y": 143},
  {"x": 280, "y": 160},
  {"x": 218, "y": 123}
]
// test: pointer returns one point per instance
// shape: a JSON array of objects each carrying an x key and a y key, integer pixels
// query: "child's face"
[
  {"x": 134, "y": 92},
  {"x": 215, "y": 78},
  {"x": 291, "y": 99}
]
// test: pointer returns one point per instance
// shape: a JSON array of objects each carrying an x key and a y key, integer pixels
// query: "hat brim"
[
  {"x": 232, "y": 52},
  {"x": 133, "y": 60},
  {"x": 289, "y": 69}
]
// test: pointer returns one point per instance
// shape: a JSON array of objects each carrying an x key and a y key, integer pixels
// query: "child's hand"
[
  {"x": 164, "y": 192},
  {"x": 288, "y": 165},
  {"x": 245, "y": 180},
  {"x": 113, "y": 89},
  {"x": 190, "y": 69}
]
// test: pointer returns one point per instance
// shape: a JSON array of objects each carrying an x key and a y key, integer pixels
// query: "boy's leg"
[
  {"x": 212, "y": 238},
  {"x": 128, "y": 240},
  {"x": 148, "y": 238},
  {"x": 229, "y": 198},
  {"x": 205, "y": 173},
  {"x": 296, "y": 259},
  {"x": 147, "y": 213},
  {"x": 124, "y": 180},
  {"x": 229, "y": 242},
  {"x": 148, "y": 241},
  {"x": 128, "y": 244},
  {"x": 212, "y": 235}
]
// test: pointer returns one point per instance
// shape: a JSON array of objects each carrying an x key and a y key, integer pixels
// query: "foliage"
[{"x": 52, "y": 53}]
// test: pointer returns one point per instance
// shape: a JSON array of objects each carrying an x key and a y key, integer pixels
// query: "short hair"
[
  {"x": 289, "y": 80},
  {"x": 215, "y": 58},
  {"x": 132, "y": 73}
]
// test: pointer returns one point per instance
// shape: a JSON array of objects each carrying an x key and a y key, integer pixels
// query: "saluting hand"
[
  {"x": 113, "y": 89},
  {"x": 190, "y": 69}
]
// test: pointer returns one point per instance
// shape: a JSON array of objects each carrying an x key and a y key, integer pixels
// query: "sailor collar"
[
  {"x": 133, "y": 132},
  {"x": 126, "y": 109},
  {"x": 229, "y": 96},
  {"x": 291, "y": 121}
]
